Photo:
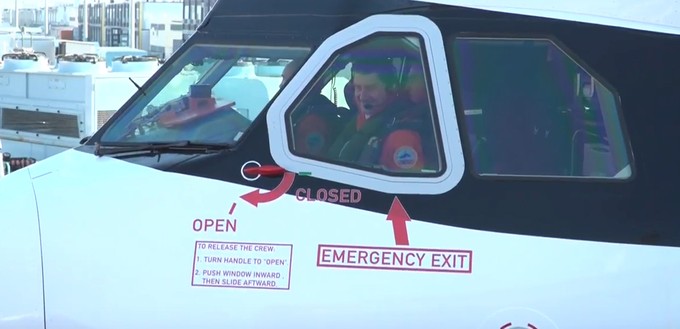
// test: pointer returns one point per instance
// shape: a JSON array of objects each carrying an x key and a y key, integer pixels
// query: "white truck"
[{"x": 47, "y": 109}]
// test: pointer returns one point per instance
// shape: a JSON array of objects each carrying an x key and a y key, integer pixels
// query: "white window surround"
[{"x": 433, "y": 45}]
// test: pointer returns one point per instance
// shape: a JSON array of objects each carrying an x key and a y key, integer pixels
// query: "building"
[
  {"x": 59, "y": 15},
  {"x": 159, "y": 25},
  {"x": 109, "y": 25},
  {"x": 165, "y": 37},
  {"x": 193, "y": 14}
]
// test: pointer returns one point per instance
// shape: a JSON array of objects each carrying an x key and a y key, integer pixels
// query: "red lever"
[{"x": 267, "y": 170}]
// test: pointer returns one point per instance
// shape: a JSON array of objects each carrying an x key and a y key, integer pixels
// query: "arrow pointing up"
[{"x": 399, "y": 217}]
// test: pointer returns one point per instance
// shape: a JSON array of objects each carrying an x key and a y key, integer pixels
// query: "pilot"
[
  {"x": 372, "y": 138},
  {"x": 313, "y": 120},
  {"x": 418, "y": 114}
]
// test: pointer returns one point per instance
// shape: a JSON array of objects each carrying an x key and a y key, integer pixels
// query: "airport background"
[
  {"x": 32, "y": 114},
  {"x": 159, "y": 26}
]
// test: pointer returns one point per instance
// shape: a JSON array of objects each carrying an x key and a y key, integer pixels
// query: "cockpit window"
[
  {"x": 533, "y": 109},
  {"x": 379, "y": 117},
  {"x": 210, "y": 94}
]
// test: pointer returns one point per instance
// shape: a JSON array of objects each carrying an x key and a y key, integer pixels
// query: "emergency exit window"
[
  {"x": 531, "y": 109},
  {"x": 371, "y": 109}
]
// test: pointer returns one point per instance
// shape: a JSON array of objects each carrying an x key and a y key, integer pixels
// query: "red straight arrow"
[
  {"x": 255, "y": 197},
  {"x": 399, "y": 217}
]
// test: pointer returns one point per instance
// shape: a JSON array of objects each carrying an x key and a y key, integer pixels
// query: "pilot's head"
[
  {"x": 415, "y": 85},
  {"x": 289, "y": 70},
  {"x": 374, "y": 84}
]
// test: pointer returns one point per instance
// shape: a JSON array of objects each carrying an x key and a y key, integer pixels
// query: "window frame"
[
  {"x": 578, "y": 61},
  {"x": 435, "y": 60}
]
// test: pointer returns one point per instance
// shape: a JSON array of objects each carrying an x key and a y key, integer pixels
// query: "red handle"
[{"x": 266, "y": 170}]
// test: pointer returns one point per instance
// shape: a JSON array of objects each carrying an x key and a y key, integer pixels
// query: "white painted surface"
[
  {"x": 21, "y": 290},
  {"x": 130, "y": 264}
]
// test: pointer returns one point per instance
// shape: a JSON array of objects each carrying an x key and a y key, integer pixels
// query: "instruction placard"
[{"x": 242, "y": 265}]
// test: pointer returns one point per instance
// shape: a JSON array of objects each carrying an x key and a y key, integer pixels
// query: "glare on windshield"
[{"x": 210, "y": 94}]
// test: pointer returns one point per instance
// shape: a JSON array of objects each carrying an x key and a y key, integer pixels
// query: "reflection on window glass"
[
  {"x": 211, "y": 94},
  {"x": 370, "y": 109},
  {"x": 531, "y": 110}
]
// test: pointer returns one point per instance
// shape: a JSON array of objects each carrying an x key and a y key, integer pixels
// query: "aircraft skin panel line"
[{"x": 20, "y": 252}]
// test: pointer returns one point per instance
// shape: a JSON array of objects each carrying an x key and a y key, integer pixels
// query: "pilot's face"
[{"x": 370, "y": 93}]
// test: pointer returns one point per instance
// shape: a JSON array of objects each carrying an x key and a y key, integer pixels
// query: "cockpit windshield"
[{"x": 210, "y": 94}]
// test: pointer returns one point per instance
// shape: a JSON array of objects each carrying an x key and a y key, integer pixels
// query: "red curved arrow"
[
  {"x": 399, "y": 217},
  {"x": 255, "y": 197}
]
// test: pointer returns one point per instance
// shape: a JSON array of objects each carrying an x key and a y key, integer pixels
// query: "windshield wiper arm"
[
  {"x": 136, "y": 85},
  {"x": 185, "y": 147}
]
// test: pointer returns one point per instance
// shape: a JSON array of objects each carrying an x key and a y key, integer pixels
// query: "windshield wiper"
[
  {"x": 184, "y": 147},
  {"x": 138, "y": 86}
]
